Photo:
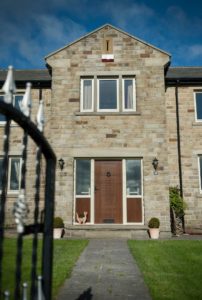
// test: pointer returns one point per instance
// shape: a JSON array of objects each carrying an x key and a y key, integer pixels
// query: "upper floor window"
[
  {"x": 198, "y": 106},
  {"x": 87, "y": 89},
  {"x": 16, "y": 99},
  {"x": 129, "y": 94},
  {"x": 14, "y": 173},
  {"x": 108, "y": 95},
  {"x": 112, "y": 94}
]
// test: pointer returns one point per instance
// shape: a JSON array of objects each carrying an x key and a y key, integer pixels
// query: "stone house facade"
[{"x": 112, "y": 105}]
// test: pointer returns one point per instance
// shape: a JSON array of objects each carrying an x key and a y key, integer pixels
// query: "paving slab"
[{"x": 105, "y": 270}]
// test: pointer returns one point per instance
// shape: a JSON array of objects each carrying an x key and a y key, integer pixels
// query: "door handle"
[{"x": 96, "y": 189}]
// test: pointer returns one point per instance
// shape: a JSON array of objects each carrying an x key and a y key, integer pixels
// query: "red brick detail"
[
  {"x": 190, "y": 110},
  {"x": 111, "y": 135},
  {"x": 107, "y": 60},
  {"x": 144, "y": 55},
  {"x": 74, "y": 100}
]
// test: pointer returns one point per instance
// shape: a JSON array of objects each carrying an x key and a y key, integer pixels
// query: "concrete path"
[{"x": 105, "y": 270}]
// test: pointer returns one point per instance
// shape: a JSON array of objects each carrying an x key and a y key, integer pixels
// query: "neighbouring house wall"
[
  {"x": 15, "y": 149},
  {"x": 142, "y": 134},
  {"x": 191, "y": 147}
]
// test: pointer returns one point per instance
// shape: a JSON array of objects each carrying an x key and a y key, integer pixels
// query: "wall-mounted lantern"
[
  {"x": 155, "y": 163},
  {"x": 61, "y": 163}
]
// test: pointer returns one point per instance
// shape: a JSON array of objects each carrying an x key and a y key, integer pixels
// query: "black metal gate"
[{"x": 42, "y": 206}]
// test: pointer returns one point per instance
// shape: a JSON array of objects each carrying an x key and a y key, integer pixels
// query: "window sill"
[
  {"x": 118, "y": 113},
  {"x": 197, "y": 123}
]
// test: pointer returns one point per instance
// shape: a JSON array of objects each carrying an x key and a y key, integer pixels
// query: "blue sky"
[{"x": 31, "y": 29}]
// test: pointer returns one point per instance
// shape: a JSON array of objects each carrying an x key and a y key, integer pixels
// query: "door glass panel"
[
  {"x": 83, "y": 177},
  {"x": 108, "y": 94},
  {"x": 133, "y": 177}
]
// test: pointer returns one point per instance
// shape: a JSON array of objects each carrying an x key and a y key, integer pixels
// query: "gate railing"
[{"x": 42, "y": 206}]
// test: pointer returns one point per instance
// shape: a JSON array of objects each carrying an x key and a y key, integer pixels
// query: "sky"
[{"x": 32, "y": 29}]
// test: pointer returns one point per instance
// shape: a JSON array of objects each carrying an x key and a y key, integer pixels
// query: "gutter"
[{"x": 177, "y": 83}]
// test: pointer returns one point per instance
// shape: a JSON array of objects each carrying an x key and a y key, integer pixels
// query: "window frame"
[
  {"x": 195, "y": 104},
  {"x": 82, "y": 95},
  {"x": 9, "y": 173},
  {"x": 14, "y": 101},
  {"x": 123, "y": 93},
  {"x": 200, "y": 173},
  {"x": 98, "y": 93}
]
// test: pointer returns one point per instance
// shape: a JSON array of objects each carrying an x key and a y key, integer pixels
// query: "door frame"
[{"x": 124, "y": 196}]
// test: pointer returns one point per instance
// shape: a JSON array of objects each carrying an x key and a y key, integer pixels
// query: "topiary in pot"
[
  {"x": 58, "y": 225},
  {"x": 154, "y": 225},
  {"x": 58, "y": 222}
]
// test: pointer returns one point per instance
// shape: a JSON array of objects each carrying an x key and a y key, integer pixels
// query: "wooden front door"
[{"x": 108, "y": 191}]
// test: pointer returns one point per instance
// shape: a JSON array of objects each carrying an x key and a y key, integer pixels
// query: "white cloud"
[{"x": 195, "y": 50}]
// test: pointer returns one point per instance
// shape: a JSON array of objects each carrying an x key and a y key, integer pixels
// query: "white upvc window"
[
  {"x": 14, "y": 173},
  {"x": 107, "y": 94},
  {"x": 198, "y": 106},
  {"x": 87, "y": 92},
  {"x": 128, "y": 94},
  {"x": 200, "y": 172},
  {"x": 16, "y": 99}
]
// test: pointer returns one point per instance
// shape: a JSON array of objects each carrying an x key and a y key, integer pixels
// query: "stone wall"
[
  {"x": 140, "y": 134},
  {"x": 191, "y": 147}
]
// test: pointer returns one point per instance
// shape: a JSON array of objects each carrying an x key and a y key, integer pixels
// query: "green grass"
[
  {"x": 171, "y": 269},
  {"x": 66, "y": 253}
]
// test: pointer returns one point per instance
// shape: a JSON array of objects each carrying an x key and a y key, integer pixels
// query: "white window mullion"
[{"x": 92, "y": 202}]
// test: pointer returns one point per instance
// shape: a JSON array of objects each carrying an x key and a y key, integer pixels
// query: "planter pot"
[
  {"x": 57, "y": 233},
  {"x": 154, "y": 233}
]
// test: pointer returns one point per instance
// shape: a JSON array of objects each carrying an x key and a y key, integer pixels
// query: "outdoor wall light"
[
  {"x": 155, "y": 163},
  {"x": 61, "y": 163}
]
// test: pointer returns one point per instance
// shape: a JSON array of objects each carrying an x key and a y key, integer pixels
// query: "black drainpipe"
[{"x": 179, "y": 145}]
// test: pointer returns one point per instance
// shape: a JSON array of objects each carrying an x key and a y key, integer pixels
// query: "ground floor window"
[
  {"x": 14, "y": 173},
  {"x": 200, "y": 172},
  {"x": 108, "y": 191}
]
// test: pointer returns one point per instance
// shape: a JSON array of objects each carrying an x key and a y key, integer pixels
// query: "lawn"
[
  {"x": 66, "y": 253},
  {"x": 171, "y": 269}
]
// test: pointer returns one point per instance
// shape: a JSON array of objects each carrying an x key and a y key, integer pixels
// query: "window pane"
[
  {"x": 2, "y": 117},
  {"x": 108, "y": 94},
  {"x": 133, "y": 177},
  {"x": 128, "y": 94},
  {"x": 1, "y": 169},
  {"x": 14, "y": 174},
  {"x": 83, "y": 177},
  {"x": 87, "y": 94},
  {"x": 17, "y": 99}
]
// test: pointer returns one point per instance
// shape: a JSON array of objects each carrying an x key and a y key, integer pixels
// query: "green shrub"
[
  {"x": 154, "y": 223},
  {"x": 176, "y": 201},
  {"x": 58, "y": 222}
]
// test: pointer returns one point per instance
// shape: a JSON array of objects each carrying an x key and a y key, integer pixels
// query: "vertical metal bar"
[
  {"x": 48, "y": 228},
  {"x": 4, "y": 190},
  {"x": 18, "y": 267},
  {"x": 33, "y": 289},
  {"x": 20, "y": 235}
]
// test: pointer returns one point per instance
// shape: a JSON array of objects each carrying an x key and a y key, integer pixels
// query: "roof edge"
[{"x": 99, "y": 28}]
